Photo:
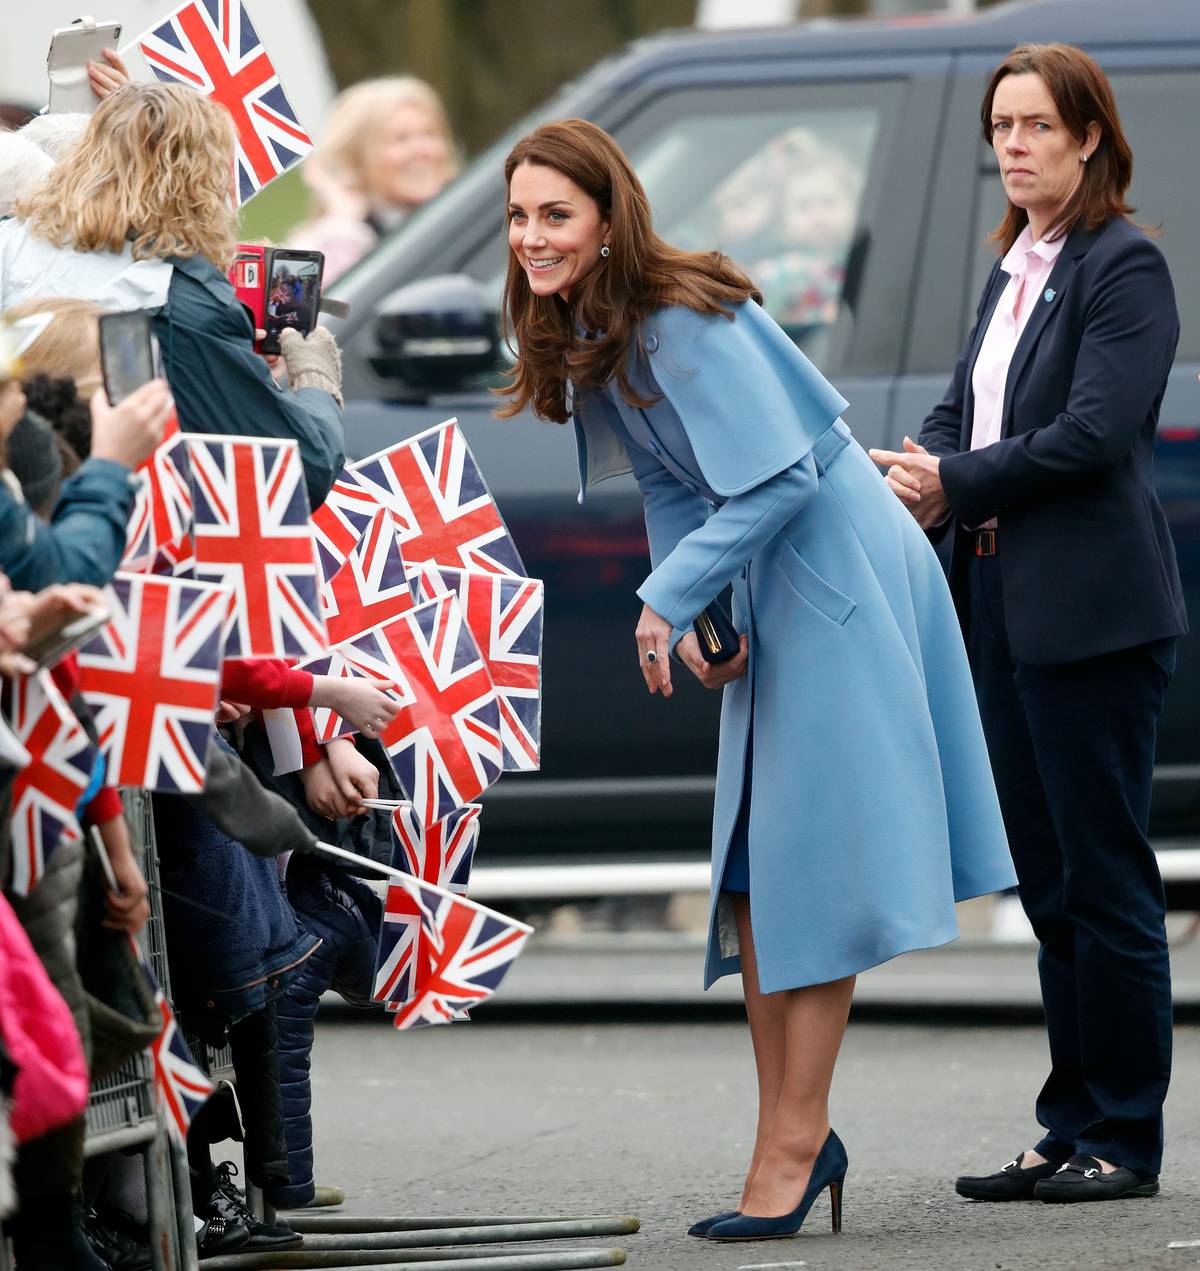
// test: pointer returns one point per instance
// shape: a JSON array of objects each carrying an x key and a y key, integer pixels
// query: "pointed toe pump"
[
  {"x": 705, "y": 1225},
  {"x": 829, "y": 1170}
]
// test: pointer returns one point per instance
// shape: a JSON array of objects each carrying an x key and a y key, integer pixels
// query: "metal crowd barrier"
[{"x": 122, "y": 1115}]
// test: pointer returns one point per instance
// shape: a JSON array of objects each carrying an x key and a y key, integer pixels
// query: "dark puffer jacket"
[{"x": 345, "y": 913}]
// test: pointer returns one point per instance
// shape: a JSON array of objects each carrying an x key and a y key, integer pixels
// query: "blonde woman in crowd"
[
  {"x": 387, "y": 150},
  {"x": 137, "y": 216}
]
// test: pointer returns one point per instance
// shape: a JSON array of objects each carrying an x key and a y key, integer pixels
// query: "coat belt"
[{"x": 829, "y": 445}]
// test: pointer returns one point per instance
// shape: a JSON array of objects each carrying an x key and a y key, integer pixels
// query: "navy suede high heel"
[
  {"x": 705, "y": 1225},
  {"x": 829, "y": 1170}
]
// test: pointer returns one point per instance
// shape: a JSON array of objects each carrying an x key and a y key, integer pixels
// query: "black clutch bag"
[{"x": 718, "y": 637}]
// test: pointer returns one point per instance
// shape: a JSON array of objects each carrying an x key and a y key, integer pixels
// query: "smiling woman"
[
  {"x": 849, "y": 673},
  {"x": 557, "y": 236}
]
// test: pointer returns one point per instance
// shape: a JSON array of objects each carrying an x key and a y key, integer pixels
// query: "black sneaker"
[
  {"x": 123, "y": 1243},
  {"x": 228, "y": 1202},
  {"x": 218, "y": 1236}
]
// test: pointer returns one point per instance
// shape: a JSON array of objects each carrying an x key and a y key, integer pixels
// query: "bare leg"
[
  {"x": 767, "y": 1037},
  {"x": 806, "y": 1027}
]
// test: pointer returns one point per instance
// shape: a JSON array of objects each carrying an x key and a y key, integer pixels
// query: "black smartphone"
[
  {"x": 128, "y": 354},
  {"x": 293, "y": 295}
]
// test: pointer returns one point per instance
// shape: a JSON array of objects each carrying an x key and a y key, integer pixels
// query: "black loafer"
[
  {"x": 1011, "y": 1183},
  {"x": 1081, "y": 1178}
]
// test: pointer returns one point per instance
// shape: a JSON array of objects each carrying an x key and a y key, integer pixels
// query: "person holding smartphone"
[
  {"x": 85, "y": 536},
  {"x": 106, "y": 227}
]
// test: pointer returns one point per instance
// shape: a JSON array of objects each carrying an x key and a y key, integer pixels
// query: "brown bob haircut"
[
  {"x": 1082, "y": 95},
  {"x": 641, "y": 274}
]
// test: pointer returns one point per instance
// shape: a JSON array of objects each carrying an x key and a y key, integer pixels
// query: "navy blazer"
[{"x": 1087, "y": 561}]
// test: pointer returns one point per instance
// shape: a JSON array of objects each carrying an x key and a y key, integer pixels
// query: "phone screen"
[
  {"x": 293, "y": 292},
  {"x": 126, "y": 353}
]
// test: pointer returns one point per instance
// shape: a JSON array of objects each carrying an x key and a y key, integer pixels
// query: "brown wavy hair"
[
  {"x": 1082, "y": 95},
  {"x": 153, "y": 169},
  {"x": 642, "y": 274}
]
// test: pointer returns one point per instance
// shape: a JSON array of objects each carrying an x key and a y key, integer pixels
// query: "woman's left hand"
[{"x": 653, "y": 636}]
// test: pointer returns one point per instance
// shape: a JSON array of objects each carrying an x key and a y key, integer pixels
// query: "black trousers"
[{"x": 1072, "y": 750}]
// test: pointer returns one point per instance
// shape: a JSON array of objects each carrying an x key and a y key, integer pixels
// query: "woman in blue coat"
[{"x": 854, "y": 799}]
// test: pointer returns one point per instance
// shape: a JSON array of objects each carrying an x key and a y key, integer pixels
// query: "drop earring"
[{"x": 604, "y": 251}]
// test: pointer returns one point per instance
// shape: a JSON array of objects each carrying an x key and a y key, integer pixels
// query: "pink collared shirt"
[{"x": 1028, "y": 265}]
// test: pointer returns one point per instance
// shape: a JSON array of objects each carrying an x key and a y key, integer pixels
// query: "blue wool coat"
[{"x": 871, "y": 802}]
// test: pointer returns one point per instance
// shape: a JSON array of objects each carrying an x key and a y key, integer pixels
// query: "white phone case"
[{"x": 71, "y": 49}]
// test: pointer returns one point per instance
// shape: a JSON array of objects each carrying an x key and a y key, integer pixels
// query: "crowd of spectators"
[{"x": 129, "y": 208}]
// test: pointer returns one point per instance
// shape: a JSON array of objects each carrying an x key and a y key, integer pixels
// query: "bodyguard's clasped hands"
[{"x": 914, "y": 477}]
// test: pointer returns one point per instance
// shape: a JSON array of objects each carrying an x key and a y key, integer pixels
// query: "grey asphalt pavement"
[
  {"x": 647, "y": 970},
  {"x": 656, "y": 1119}
]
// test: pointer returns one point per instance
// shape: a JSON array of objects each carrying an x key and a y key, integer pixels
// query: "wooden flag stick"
[
  {"x": 363, "y": 861},
  {"x": 414, "y": 885}
]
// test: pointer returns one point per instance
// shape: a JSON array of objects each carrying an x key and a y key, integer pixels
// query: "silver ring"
[{"x": 651, "y": 656}]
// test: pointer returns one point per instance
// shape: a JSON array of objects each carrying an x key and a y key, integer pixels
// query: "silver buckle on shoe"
[{"x": 1090, "y": 1173}]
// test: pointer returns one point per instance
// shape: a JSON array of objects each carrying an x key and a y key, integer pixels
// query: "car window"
[
  {"x": 1158, "y": 115},
  {"x": 777, "y": 180},
  {"x": 780, "y": 192}
]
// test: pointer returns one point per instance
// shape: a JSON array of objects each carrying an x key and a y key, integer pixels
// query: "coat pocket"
[{"x": 810, "y": 586}]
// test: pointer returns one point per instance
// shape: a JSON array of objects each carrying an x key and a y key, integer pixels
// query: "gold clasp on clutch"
[{"x": 709, "y": 633}]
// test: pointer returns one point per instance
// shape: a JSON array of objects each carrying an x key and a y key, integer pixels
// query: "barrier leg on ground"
[
  {"x": 181, "y": 1179},
  {"x": 331, "y": 1223},
  {"x": 160, "y": 1205},
  {"x": 496, "y": 1233},
  {"x": 477, "y": 1260}
]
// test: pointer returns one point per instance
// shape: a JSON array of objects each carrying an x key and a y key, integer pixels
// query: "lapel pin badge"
[{"x": 1049, "y": 294}]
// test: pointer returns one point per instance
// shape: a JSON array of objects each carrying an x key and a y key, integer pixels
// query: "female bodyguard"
[
  {"x": 854, "y": 803},
  {"x": 1040, "y": 462}
]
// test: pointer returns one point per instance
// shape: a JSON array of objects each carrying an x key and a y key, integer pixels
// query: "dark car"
[{"x": 841, "y": 163}]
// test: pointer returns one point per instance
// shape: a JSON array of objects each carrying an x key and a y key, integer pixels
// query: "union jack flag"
[
  {"x": 396, "y": 959},
  {"x": 463, "y": 953},
  {"x": 371, "y": 587},
  {"x": 252, "y": 533},
  {"x": 179, "y": 1084},
  {"x": 440, "y": 853},
  {"x": 505, "y": 617},
  {"x": 212, "y": 46},
  {"x": 160, "y": 528},
  {"x": 45, "y": 793},
  {"x": 340, "y": 523},
  {"x": 445, "y": 513},
  {"x": 152, "y": 677},
  {"x": 444, "y": 742}
]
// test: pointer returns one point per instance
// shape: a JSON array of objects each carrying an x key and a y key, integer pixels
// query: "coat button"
[{"x": 651, "y": 344}]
